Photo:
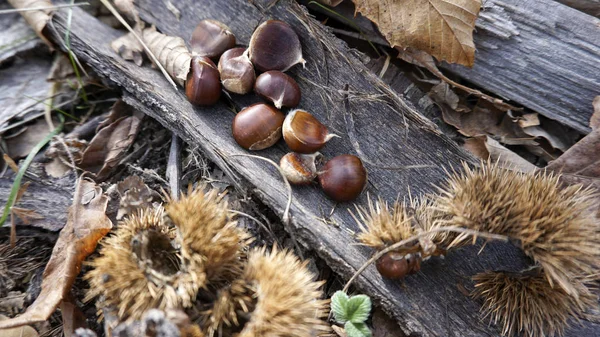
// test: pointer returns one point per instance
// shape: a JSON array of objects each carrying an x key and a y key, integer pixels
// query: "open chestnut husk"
[
  {"x": 299, "y": 169},
  {"x": 274, "y": 45},
  {"x": 211, "y": 38},
  {"x": 203, "y": 86},
  {"x": 237, "y": 72},
  {"x": 303, "y": 133},
  {"x": 343, "y": 178},
  {"x": 278, "y": 88},
  {"x": 257, "y": 127}
]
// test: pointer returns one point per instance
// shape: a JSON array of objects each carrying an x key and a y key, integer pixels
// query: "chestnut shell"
[
  {"x": 237, "y": 72},
  {"x": 257, "y": 127},
  {"x": 343, "y": 178},
  {"x": 299, "y": 169},
  {"x": 211, "y": 38},
  {"x": 203, "y": 86},
  {"x": 279, "y": 88},
  {"x": 303, "y": 133},
  {"x": 393, "y": 266},
  {"x": 274, "y": 45}
]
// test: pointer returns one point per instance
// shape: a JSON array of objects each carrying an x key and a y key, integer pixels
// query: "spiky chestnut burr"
[
  {"x": 278, "y": 296},
  {"x": 552, "y": 225},
  {"x": 158, "y": 261},
  {"x": 526, "y": 303}
]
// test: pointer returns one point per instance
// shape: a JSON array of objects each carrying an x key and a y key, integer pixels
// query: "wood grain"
[{"x": 375, "y": 123}]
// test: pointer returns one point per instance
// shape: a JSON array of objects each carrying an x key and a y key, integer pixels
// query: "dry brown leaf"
[
  {"x": 60, "y": 163},
  {"x": 135, "y": 195},
  {"x": 171, "y": 52},
  {"x": 582, "y": 158},
  {"x": 23, "y": 331},
  {"x": 72, "y": 316},
  {"x": 86, "y": 225},
  {"x": 11, "y": 163},
  {"x": 595, "y": 120},
  {"x": 37, "y": 19},
  {"x": 442, "y": 28},
  {"x": 20, "y": 145},
  {"x": 129, "y": 48},
  {"x": 110, "y": 144},
  {"x": 487, "y": 148}
]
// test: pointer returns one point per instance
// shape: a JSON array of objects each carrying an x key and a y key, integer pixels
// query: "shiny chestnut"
[
  {"x": 211, "y": 38},
  {"x": 274, "y": 45},
  {"x": 257, "y": 127},
  {"x": 203, "y": 86},
  {"x": 343, "y": 178},
  {"x": 299, "y": 169},
  {"x": 279, "y": 88},
  {"x": 237, "y": 72},
  {"x": 392, "y": 265},
  {"x": 303, "y": 133}
]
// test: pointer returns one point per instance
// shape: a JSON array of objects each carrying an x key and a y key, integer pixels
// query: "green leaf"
[
  {"x": 357, "y": 329},
  {"x": 339, "y": 302},
  {"x": 358, "y": 308}
]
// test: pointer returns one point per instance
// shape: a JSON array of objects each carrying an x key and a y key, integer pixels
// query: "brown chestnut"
[
  {"x": 203, "y": 86},
  {"x": 392, "y": 265},
  {"x": 303, "y": 133},
  {"x": 257, "y": 127},
  {"x": 278, "y": 88},
  {"x": 237, "y": 72},
  {"x": 275, "y": 46},
  {"x": 343, "y": 178},
  {"x": 211, "y": 38},
  {"x": 299, "y": 169}
]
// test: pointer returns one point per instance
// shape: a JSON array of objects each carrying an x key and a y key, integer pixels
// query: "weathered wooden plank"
[
  {"x": 385, "y": 131},
  {"x": 592, "y": 7},
  {"x": 16, "y": 35},
  {"x": 539, "y": 53}
]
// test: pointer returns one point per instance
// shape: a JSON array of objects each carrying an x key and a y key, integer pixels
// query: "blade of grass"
[
  {"x": 54, "y": 108},
  {"x": 17, "y": 183}
]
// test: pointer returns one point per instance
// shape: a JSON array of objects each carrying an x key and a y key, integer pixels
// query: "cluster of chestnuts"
[{"x": 274, "y": 48}]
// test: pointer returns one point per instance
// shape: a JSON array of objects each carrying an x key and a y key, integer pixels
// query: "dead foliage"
[{"x": 37, "y": 19}]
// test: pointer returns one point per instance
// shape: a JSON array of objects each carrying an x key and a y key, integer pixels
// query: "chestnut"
[
  {"x": 257, "y": 127},
  {"x": 237, "y": 72},
  {"x": 299, "y": 169},
  {"x": 203, "y": 86},
  {"x": 343, "y": 178},
  {"x": 211, "y": 38},
  {"x": 279, "y": 88},
  {"x": 393, "y": 266},
  {"x": 303, "y": 133},
  {"x": 275, "y": 46}
]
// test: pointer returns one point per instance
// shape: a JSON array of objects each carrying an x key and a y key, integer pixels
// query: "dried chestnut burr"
[
  {"x": 275, "y": 46},
  {"x": 278, "y": 88},
  {"x": 237, "y": 72},
  {"x": 299, "y": 169},
  {"x": 343, "y": 178},
  {"x": 203, "y": 86},
  {"x": 303, "y": 133},
  {"x": 211, "y": 38},
  {"x": 257, "y": 127}
]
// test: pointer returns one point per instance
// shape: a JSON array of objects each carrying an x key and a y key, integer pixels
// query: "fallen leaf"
[
  {"x": 23, "y": 331},
  {"x": 442, "y": 28},
  {"x": 442, "y": 92},
  {"x": 487, "y": 148},
  {"x": 11, "y": 163},
  {"x": 110, "y": 145},
  {"x": 61, "y": 156},
  {"x": 595, "y": 120},
  {"x": 582, "y": 159},
  {"x": 20, "y": 145},
  {"x": 330, "y": 3},
  {"x": 129, "y": 48},
  {"x": 171, "y": 52},
  {"x": 135, "y": 195},
  {"x": 72, "y": 316},
  {"x": 86, "y": 225},
  {"x": 37, "y": 19}
]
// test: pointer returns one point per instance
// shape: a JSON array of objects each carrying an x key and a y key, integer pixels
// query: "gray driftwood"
[
  {"x": 591, "y": 7},
  {"x": 389, "y": 135},
  {"x": 539, "y": 53}
]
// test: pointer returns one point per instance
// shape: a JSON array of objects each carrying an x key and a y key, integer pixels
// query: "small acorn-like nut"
[
  {"x": 278, "y": 88},
  {"x": 343, "y": 178},
  {"x": 303, "y": 133},
  {"x": 299, "y": 169},
  {"x": 203, "y": 86},
  {"x": 275, "y": 46},
  {"x": 393, "y": 266},
  {"x": 257, "y": 127},
  {"x": 211, "y": 38},
  {"x": 237, "y": 72}
]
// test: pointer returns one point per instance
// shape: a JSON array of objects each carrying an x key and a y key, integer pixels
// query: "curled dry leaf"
[
  {"x": 129, "y": 48},
  {"x": 487, "y": 148},
  {"x": 110, "y": 144},
  {"x": 442, "y": 28},
  {"x": 581, "y": 159},
  {"x": 37, "y": 19},
  {"x": 170, "y": 51},
  {"x": 22, "y": 331},
  {"x": 135, "y": 195},
  {"x": 86, "y": 225}
]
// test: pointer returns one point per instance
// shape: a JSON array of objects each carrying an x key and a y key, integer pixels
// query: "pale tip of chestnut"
[
  {"x": 299, "y": 169},
  {"x": 303, "y": 133}
]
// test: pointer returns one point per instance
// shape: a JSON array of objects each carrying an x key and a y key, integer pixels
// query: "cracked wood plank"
[{"x": 374, "y": 123}]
